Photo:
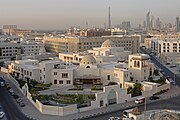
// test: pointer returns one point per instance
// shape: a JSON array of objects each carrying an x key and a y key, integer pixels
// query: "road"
[
  {"x": 172, "y": 103},
  {"x": 10, "y": 107},
  {"x": 166, "y": 71}
]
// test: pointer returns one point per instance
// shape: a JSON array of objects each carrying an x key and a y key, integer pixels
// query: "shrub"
[{"x": 112, "y": 83}]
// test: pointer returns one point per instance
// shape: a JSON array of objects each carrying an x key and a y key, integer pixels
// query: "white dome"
[
  {"x": 108, "y": 43},
  {"x": 88, "y": 59}
]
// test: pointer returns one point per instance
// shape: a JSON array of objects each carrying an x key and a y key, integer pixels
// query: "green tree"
[
  {"x": 156, "y": 72},
  {"x": 130, "y": 90},
  {"x": 136, "y": 90}
]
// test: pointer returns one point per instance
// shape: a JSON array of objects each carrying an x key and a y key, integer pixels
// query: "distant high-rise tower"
[
  {"x": 148, "y": 21},
  {"x": 152, "y": 22},
  {"x": 109, "y": 18},
  {"x": 126, "y": 25},
  {"x": 158, "y": 24},
  {"x": 177, "y": 24}
]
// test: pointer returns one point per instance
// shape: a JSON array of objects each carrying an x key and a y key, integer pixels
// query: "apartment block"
[
  {"x": 8, "y": 50},
  {"x": 80, "y": 44}
]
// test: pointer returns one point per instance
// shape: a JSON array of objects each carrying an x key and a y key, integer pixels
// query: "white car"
[
  {"x": 114, "y": 118},
  {"x": 18, "y": 100},
  {"x": 11, "y": 90},
  {"x": 2, "y": 114}
]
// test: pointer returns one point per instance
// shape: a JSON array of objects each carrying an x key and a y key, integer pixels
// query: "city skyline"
[{"x": 66, "y": 13}]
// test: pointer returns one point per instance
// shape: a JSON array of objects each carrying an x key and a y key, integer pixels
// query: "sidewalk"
[{"x": 30, "y": 110}]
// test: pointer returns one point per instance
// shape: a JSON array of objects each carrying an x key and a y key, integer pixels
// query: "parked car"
[
  {"x": 2, "y": 114},
  {"x": 15, "y": 96},
  {"x": 11, "y": 90},
  {"x": 22, "y": 104},
  {"x": 154, "y": 97},
  {"x": 170, "y": 80},
  {"x": 173, "y": 83},
  {"x": 18, "y": 100},
  {"x": 2, "y": 82},
  {"x": 114, "y": 118}
]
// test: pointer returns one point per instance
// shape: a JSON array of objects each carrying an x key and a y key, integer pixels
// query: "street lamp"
[{"x": 58, "y": 110}]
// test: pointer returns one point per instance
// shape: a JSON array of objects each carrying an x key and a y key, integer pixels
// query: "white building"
[
  {"x": 96, "y": 68},
  {"x": 140, "y": 67},
  {"x": 8, "y": 50},
  {"x": 31, "y": 47},
  {"x": 62, "y": 74},
  {"x": 108, "y": 52}
]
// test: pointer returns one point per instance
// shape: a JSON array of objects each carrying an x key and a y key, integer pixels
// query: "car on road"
[
  {"x": 22, "y": 104},
  {"x": 170, "y": 80},
  {"x": 2, "y": 114},
  {"x": 11, "y": 90},
  {"x": 15, "y": 96},
  {"x": 173, "y": 83},
  {"x": 140, "y": 100},
  {"x": 154, "y": 97},
  {"x": 114, "y": 118},
  {"x": 18, "y": 100},
  {"x": 2, "y": 82}
]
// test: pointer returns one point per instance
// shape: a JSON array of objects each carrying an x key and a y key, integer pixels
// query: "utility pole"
[{"x": 145, "y": 107}]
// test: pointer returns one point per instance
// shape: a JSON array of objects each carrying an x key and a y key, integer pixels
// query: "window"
[
  {"x": 44, "y": 69},
  {"x": 44, "y": 76},
  {"x": 108, "y": 77},
  {"x": 60, "y": 82},
  {"x": 68, "y": 82},
  {"x": 55, "y": 81},
  {"x": 88, "y": 67},
  {"x": 30, "y": 73},
  {"x": 55, "y": 73},
  {"x": 64, "y": 75}
]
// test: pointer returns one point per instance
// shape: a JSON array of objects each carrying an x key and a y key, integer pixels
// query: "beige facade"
[
  {"x": 108, "y": 52},
  {"x": 95, "y": 33},
  {"x": 80, "y": 44},
  {"x": 140, "y": 67}
]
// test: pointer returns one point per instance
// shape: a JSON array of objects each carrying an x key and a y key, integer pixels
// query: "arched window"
[
  {"x": 138, "y": 64},
  {"x": 134, "y": 63},
  {"x": 55, "y": 81},
  {"x": 88, "y": 67}
]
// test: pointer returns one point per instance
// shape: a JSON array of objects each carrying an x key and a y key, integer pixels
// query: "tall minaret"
[{"x": 109, "y": 18}]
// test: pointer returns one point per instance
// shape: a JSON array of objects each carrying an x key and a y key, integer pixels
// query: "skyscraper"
[
  {"x": 109, "y": 18},
  {"x": 148, "y": 21},
  {"x": 126, "y": 25},
  {"x": 158, "y": 24},
  {"x": 152, "y": 22},
  {"x": 177, "y": 24}
]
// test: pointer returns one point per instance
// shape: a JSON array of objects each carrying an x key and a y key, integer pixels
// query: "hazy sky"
[{"x": 60, "y": 14}]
